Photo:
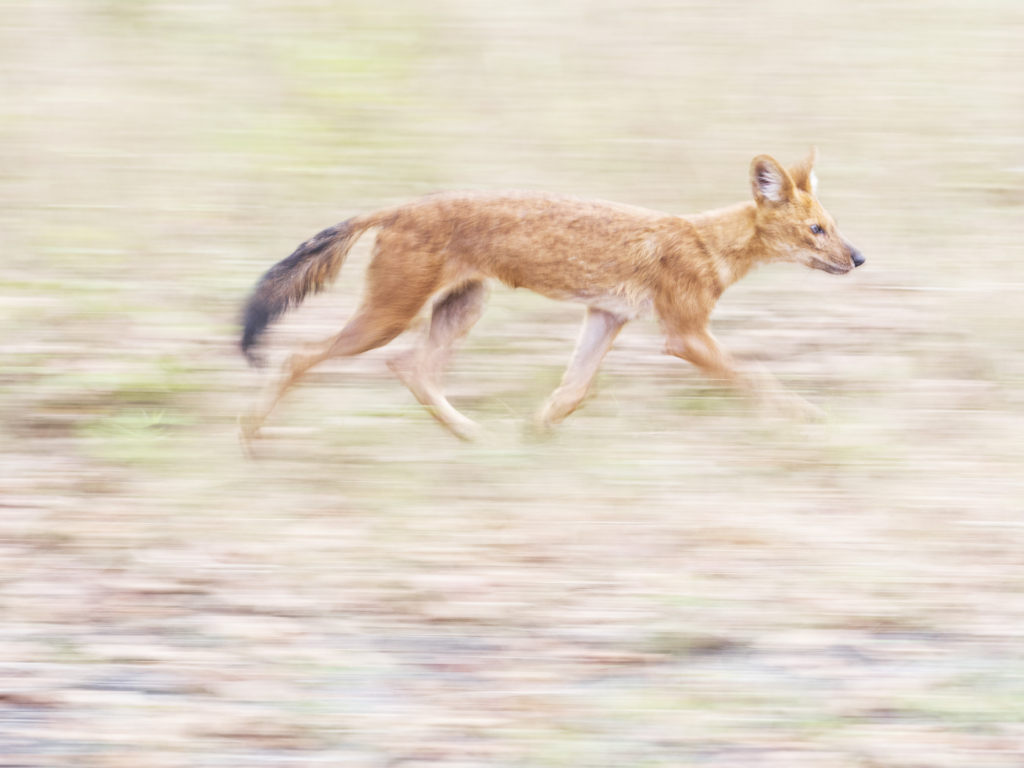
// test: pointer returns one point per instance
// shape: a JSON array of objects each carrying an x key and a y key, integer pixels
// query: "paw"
[
  {"x": 795, "y": 407},
  {"x": 466, "y": 430},
  {"x": 540, "y": 427},
  {"x": 249, "y": 424}
]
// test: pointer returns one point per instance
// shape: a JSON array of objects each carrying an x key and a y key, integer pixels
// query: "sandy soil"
[{"x": 674, "y": 578}]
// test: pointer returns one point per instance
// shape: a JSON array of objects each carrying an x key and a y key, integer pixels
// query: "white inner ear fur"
[
  {"x": 770, "y": 184},
  {"x": 813, "y": 178}
]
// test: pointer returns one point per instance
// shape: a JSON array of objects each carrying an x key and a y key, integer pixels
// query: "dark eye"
[{"x": 816, "y": 229}]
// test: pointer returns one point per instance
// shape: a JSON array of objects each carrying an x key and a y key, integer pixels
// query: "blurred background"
[{"x": 674, "y": 578}]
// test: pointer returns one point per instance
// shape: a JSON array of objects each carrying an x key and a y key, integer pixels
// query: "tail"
[{"x": 312, "y": 267}]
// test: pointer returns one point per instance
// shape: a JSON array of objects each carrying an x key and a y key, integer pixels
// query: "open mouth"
[{"x": 826, "y": 266}]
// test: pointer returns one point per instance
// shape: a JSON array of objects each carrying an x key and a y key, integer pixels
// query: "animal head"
[{"x": 791, "y": 223}]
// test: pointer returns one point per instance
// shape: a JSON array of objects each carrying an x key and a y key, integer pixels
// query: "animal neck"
[{"x": 730, "y": 238}]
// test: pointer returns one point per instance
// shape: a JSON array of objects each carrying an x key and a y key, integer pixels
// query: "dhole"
[{"x": 617, "y": 260}]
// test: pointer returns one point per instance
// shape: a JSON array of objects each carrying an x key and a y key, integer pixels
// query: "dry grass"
[{"x": 673, "y": 579}]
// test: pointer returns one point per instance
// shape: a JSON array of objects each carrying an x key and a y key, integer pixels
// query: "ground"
[{"x": 673, "y": 578}]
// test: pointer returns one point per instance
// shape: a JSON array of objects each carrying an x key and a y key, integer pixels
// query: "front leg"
[
  {"x": 701, "y": 349},
  {"x": 599, "y": 331}
]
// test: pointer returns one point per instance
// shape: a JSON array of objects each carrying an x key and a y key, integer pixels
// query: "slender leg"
[
  {"x": 704, "y": 351},
  {"x": 402, "y": 275},
  {"x": 422, "y": 367},
  {"x": 701, "y": 349},
  {"x": 599, "y": 331},
  {"x": 372, "y": 327}
]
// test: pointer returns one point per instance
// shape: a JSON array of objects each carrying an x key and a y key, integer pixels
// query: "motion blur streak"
[{"x": 673, "y": 578}]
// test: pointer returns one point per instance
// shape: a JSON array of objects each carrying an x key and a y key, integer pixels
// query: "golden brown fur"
[{"x": 618, "y": 260}]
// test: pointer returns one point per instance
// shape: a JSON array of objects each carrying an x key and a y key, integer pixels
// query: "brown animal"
[{"x": 617, "y": 260}]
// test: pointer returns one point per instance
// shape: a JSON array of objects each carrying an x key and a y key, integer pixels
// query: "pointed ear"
[
  {"x": 803, "y": 172},
  {"x": 770, "y": 181}
]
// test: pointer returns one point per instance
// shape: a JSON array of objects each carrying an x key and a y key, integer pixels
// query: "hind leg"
[
  {"x": 395, "y": 293},
  {"x": 422, "y": 367},
  {"x": 369, "y": 329}
]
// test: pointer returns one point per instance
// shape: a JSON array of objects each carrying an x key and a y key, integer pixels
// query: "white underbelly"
[{"x": 626, "y": 307}]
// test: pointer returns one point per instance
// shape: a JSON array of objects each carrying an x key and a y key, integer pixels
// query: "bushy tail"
[{"x": 312, "y": 267}]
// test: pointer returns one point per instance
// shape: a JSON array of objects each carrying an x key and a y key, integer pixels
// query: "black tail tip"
[
  {"x": 257, "y": 318},
  {"x": 253, "y": 358}
]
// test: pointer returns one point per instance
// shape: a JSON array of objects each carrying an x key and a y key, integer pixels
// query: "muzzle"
[{"x": 856, "y": 256}]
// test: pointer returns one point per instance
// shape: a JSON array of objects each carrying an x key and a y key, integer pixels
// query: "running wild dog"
[{"x": 619, "y": 261}]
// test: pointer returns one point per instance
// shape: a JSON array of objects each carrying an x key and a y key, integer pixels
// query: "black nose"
[{"x": 857, "y": 256}]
